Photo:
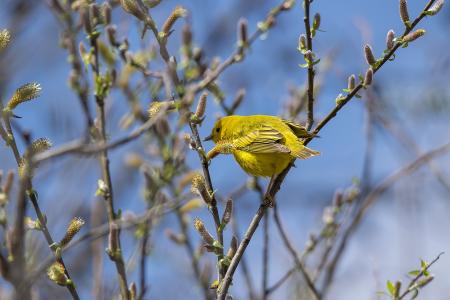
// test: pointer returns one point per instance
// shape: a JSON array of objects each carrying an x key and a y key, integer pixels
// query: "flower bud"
[
  {"x": 56, "y": 273},
  {"x": 201, "y": 106},
  {"x": 178, "y": 12},
  {"x": 157, "y": 106},
  {"x": 111, "y": 32},
  {"x": 370, "y": 58},
  {"x": 40, "y": 145},
  {"x": 287, "y": 4},
  {"x": 302, "y": 43},
  {"x": 186, "y": 35},
  {"x": 242, "y": 32},
  {"x": 309, "y": 56},
  {"x": 412, "y": 36},
  {"x": 338, "y": 199},
  {"x": 206, "y": 236},
  {"x": 135, "y": 8},
  {"x": 113, "y": 240},
  {"x": 316, "y": 22},
  {"x": 369, "y": 77},
  {"x": 434, "y": 9},
  {"x": 390, "y": 39},
  {"x": 95, "y": 15},
  {"x": 106, "y": 13},
  {"x": 133, "y": 291},
  {"x": 351, "y": 82},
  {"x": 5, "y": 38},
  {"x": 404, "y": 15},
  {"x": 152, "y": 3},
  {"x": 398, "y": 286},
  {"x": 425, "y": 281},
  {"x": 233, "y": 247},
  {"x": 74, "y": 227},
  {"x": 25, "y": 93},
  {"x": 86, "y": 19},
  {"x": 9, "y": 182},
  {"x": 226, "y": 217},
  {"x": 199, "y": 187}
]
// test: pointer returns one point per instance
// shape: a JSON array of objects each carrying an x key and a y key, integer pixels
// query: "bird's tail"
[{"x": 305, "y": 152}]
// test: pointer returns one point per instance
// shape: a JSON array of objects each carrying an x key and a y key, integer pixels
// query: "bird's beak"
[{"x": 208, "y": 138}]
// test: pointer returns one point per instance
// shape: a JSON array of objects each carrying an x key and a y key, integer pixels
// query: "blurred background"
[{"x": 405, "y": 113}]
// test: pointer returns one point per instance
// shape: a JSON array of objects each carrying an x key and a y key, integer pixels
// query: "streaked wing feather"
[
  {"x": 298, "y": 129},
  {"x": 262, "y": 140},
  {"x": 266, "y": 148}
]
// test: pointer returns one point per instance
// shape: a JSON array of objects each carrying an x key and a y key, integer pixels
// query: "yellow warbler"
[{"x": 262, "y": 145}]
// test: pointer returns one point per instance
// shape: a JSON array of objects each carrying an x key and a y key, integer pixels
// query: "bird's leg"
[{"x": 268, "y": 199}]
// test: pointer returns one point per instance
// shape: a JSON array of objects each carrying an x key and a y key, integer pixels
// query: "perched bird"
[{"x": 262, "y": 145}]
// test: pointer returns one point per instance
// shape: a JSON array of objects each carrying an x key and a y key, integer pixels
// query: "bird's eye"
[{"x": 217, "y": 129}]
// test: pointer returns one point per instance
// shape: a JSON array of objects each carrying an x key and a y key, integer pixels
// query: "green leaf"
[
  {"x": 414, "y": 273},
  {"x": 424, "y": 266},
  {"x": 391, "y": 287},
  {"x": 304, "y": 66},
  {"x": 316, "y": 62}
]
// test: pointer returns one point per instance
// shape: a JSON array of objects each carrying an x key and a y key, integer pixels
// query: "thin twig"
[
  {"x": 265, "y": 268},
  {"x": 270, "y": 194},
  {"x": 195, "y": 263},
  {"x": 33, "y": 197},
  {"x": 213, "y": 204},
  {"x": 342, "y": 102},
  {"x": 412, "y": 284},
  {"x": 116, "y": 254},
  {"x": 294, "y": 255},
  {"x": 310, "y": 91}
]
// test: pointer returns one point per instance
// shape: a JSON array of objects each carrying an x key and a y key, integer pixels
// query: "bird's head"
[{"x": 217, "y": 132}]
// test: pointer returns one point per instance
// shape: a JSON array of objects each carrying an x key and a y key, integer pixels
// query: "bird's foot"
[{"x": 269, "y": 201}]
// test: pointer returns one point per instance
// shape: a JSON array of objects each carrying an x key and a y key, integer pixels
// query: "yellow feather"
[{"x": 262, "y": 145}]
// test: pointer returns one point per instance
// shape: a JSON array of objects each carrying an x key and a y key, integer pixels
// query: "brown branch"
[
  {"x": 97, "y": 233},
  {"x": 225, "y": 284},
  {"x": 79, "y": 80},
  {"x": 310, "y": 90},
  {"x": 79, "y": 146},
  {"x": 193, "y": 257},
  {"x": 115, "y": 254},
  {"x": 265, "y": 268},
  {"x": 294, "y": 255},
  {"x": 239, "y": 53},
  {"x": 275, "y": 187},
  {"x": 28, "y": 189},
  {"x": 213, "y": 204},
  {"x": 342, "y": 102}
]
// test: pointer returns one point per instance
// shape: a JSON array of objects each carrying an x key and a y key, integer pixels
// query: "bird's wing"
[
  {"x": 265, "y": 139},
  {"x": 299, "y": 130}
]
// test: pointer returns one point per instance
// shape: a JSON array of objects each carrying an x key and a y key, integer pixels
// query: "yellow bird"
[{"x": 262, "y": 145}]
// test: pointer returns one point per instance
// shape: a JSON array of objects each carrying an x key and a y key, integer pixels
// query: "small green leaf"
[
  {"x": 303, "y": 65},
  {"x": 414, "y": 273},
  {"x": 391, "y": 287}
]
